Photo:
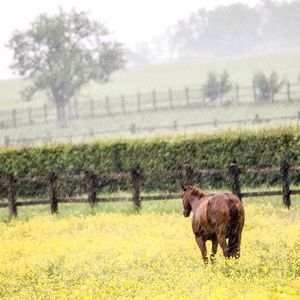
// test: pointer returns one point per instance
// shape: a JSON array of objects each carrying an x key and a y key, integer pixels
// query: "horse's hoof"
[{"x": 212, "y": 258}]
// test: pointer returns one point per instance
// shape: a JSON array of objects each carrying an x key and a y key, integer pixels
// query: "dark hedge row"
[{"x": 265, "y": 148}]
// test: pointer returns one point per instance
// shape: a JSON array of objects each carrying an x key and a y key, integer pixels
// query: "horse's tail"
[{"x": 234, "y": 228}]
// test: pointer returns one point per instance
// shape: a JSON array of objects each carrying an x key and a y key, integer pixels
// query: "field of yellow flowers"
[{"x": 151, "y": 255}]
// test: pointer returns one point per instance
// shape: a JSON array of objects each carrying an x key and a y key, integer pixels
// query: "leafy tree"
[
  {"x": 281, "y": 26},
  {"x": 217, "y": 86},
  {"x": 211, "y": 87},
  {"x": 225, "y": 86},
  {"x": 266, "y": 88},
  {"x": 237, "y": 29},
  {"x": 60, "y": 54},
  {"x": 227, "y": 30}
]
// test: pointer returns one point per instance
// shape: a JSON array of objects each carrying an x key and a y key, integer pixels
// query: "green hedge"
[{"x": 263, "y": 148}]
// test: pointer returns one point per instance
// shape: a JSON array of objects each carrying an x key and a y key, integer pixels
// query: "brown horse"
[{"x": 218, "y": 218}]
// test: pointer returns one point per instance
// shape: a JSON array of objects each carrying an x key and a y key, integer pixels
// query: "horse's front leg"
[
  {"x": 202, "y": 246},
  {"x": 214, "y": 248}
]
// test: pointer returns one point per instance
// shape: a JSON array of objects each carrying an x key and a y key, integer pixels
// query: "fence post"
[
  {"x": 175, "y": 125},
  {"x": 92, "y": 108},
  {"x": 14, "y": 118},
  {"x": 139, "y": 102},
  {"x": 45, "y": 109},
  {"x": 52, "y": 192},
  {"x": 132, "y": 128},
  {"x": 187, "y": 175},
  {"x": 70, "y": 138},
  {"x": 237, "y": 93},
  {"x": 30, "y": 116},
  {"x": 91, "y": 185},
  {"x": 235, "y": 179},
  {"x": 254, "y": 92},
  {"x": 154, "y": 100},
  {"x": 91, "y": 133},
  {"x": 76, "y": 116},
  {"x": 288, "y": 91},
  {"x": 257, "y": 119},
  {"x": 107, "y": 105},
  {"x": 136, "y": 183},
  {"x": 11, "y": 195},
  {"x": 6, "y": 141},
  {"x": 171, "y": 98},
  {"x": 187, "y": 96},
  {"x": 272, "y": 95},
  {"x": 123, "y": 104},
  {"x": 203, "y": 96},
  {"x": 48, "y": 137},
  {"x": 285, "y": 183}
]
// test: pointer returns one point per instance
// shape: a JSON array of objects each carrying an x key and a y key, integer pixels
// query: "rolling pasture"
[
  {"x": 190, "y": 73},
  {"x": 171, "y": 122},
  {"x": 110, "y": 252},
  {"x": 145, "y": 79}
]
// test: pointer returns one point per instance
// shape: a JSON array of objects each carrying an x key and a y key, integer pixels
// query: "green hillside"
[{"x": 173, "y": 75}]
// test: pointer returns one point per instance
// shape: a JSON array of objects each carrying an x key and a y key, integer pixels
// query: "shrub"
[
  {"x": 266, "y": 88},
  {"x": 216, "y": 87},
  {"x": 265, "y": 148}
]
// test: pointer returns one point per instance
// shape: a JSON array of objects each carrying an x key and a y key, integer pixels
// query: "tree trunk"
[{"x": 61, "y": 114}]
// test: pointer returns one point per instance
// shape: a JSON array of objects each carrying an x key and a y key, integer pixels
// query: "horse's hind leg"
[
  {"x": 237, "y": 251},
  {"x": 223, "y": 244},
  {"x": 202, "y": 246},
  {"x": 214, "y": 249},
  {"x": 234, "y": 245}
]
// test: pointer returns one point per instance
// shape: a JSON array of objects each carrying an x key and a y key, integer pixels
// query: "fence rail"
[
  {"x": 136, "y": 176},
  {"x": 137, "y": 103}
]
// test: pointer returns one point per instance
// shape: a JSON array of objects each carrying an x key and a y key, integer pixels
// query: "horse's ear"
[{"x": 183, "y": 187}]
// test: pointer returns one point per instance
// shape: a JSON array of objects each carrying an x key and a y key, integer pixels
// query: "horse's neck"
[{"x": 196, "y": 201}]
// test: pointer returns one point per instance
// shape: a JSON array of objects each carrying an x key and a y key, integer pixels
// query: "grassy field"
[
  {"x": 112, "y": 253},
  {"x": 160, "y": 77},
  {"x": 175, "y": 75},
  {"x": 121, "y": 124}
]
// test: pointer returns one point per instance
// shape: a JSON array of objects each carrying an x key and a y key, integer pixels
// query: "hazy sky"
[{"x": 131, "y": 21}]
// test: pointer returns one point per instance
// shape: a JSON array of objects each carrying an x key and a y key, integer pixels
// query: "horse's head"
[
  {"x": 189, "y": 193},
  {"x": 186, "y": 195}
]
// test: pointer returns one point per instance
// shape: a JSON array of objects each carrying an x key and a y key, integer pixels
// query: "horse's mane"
[{"x": 196, "y": 191}]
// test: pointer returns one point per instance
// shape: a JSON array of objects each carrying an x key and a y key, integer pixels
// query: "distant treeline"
[
  {"x": 238, "y": 28},
  {"x": 230, "y": 30}
]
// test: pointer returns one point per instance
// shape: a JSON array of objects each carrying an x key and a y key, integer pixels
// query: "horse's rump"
[{"x": 225, "y": 212}]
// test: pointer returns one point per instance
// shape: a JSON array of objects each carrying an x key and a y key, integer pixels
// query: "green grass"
[
  {"x": 126, "y": 207},
  {"x": 175, "y": 75}
]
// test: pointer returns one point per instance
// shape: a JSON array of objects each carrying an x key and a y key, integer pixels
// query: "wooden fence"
[
  {"x": 136, "y": 176},
  {"x": 138, "y": 103}
]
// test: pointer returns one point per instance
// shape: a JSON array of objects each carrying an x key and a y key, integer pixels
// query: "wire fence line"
[
  {"x": 134, "y": 129},
  {"x": 139, "y": 103}
]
